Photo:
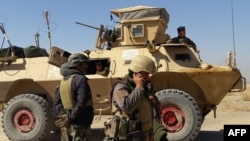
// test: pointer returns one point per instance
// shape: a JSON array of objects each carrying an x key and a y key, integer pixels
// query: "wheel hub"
[
  {"x": 172, "y": 118},
  {"x": 24, "y": 121}
]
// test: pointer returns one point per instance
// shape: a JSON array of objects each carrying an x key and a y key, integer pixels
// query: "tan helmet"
[{"x": 142, "y": 63}]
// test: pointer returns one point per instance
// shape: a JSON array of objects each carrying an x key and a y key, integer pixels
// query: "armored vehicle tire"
[
  {"x": 26, "y": 117},
  {"x": 180, "y": 115}
]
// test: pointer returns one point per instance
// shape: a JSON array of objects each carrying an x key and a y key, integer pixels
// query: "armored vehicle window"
[
  {"x": 92, "y": 69},
  {"x": 182, "y": 57},
  {"x": 137, "y": 30}
]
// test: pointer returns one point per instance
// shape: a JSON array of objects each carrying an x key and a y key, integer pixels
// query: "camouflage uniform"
[
  {"x": 131, "y": 105},
  {"x": 130, "y": 99}
]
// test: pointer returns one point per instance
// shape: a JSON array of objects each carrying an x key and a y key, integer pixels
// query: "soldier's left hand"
[{"x": 62, "y": 121}]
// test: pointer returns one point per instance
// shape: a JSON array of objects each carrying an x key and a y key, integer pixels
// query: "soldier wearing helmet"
[
  {"x": 131, "y": 106},
  {"x": 73, "y": 106}
]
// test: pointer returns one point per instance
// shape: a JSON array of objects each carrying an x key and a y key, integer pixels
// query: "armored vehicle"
[{"x": 187, "y": 88}]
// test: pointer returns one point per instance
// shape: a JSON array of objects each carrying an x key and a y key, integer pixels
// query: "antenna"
[
  {"x": 37, "y": 39},
  {"x": 47, "y": 17},
  {"x": 234, "y": 52}
]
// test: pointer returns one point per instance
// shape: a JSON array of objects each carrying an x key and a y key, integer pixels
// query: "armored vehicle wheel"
[
  {"x": 180, "y": 115},
  {"x": 26, "y": 117}
]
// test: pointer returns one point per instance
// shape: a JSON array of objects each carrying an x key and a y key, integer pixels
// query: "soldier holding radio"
[{"x": 130, "y": 98}]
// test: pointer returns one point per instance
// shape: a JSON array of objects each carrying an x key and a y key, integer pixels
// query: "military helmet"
[
  {"x": 142, "y": 63},
  {"x": 75, "y": 59},
  {"x": 63, "y": 68}
]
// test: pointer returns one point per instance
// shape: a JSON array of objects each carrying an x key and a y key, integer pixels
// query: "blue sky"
[{"x": 208, "y": 23}]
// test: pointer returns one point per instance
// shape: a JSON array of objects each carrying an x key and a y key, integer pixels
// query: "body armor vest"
[
  {"x": 144, "y": 117},
  {"x": 65, "y": 93}
]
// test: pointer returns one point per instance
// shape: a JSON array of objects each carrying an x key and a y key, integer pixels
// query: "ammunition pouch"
[
  {"x": 122, "y": 129},
  {"x": 107, "y": 127}
]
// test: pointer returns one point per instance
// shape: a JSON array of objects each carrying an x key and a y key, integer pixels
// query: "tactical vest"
[
  {"x": 145, "y": 117},
  {"x": 66, "y": 95},
  {"x": 132, "y": 125}
]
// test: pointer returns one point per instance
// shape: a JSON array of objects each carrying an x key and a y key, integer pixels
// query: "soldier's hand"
[
  {"x": 155, "y": 100},
  {"x": 62, "y": 120},
  {"x": 138, "y": 79}
]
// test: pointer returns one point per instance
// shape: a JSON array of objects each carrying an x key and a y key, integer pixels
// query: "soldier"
[
  {"x": 181, "y": 38},
  {"x": 100, "y": 69},
  {"x": 73, "y": 104},
  {"x": 131, "y": 105}
]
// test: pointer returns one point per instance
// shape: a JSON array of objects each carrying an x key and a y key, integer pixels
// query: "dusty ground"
[{"x": 234, "y": 109}]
